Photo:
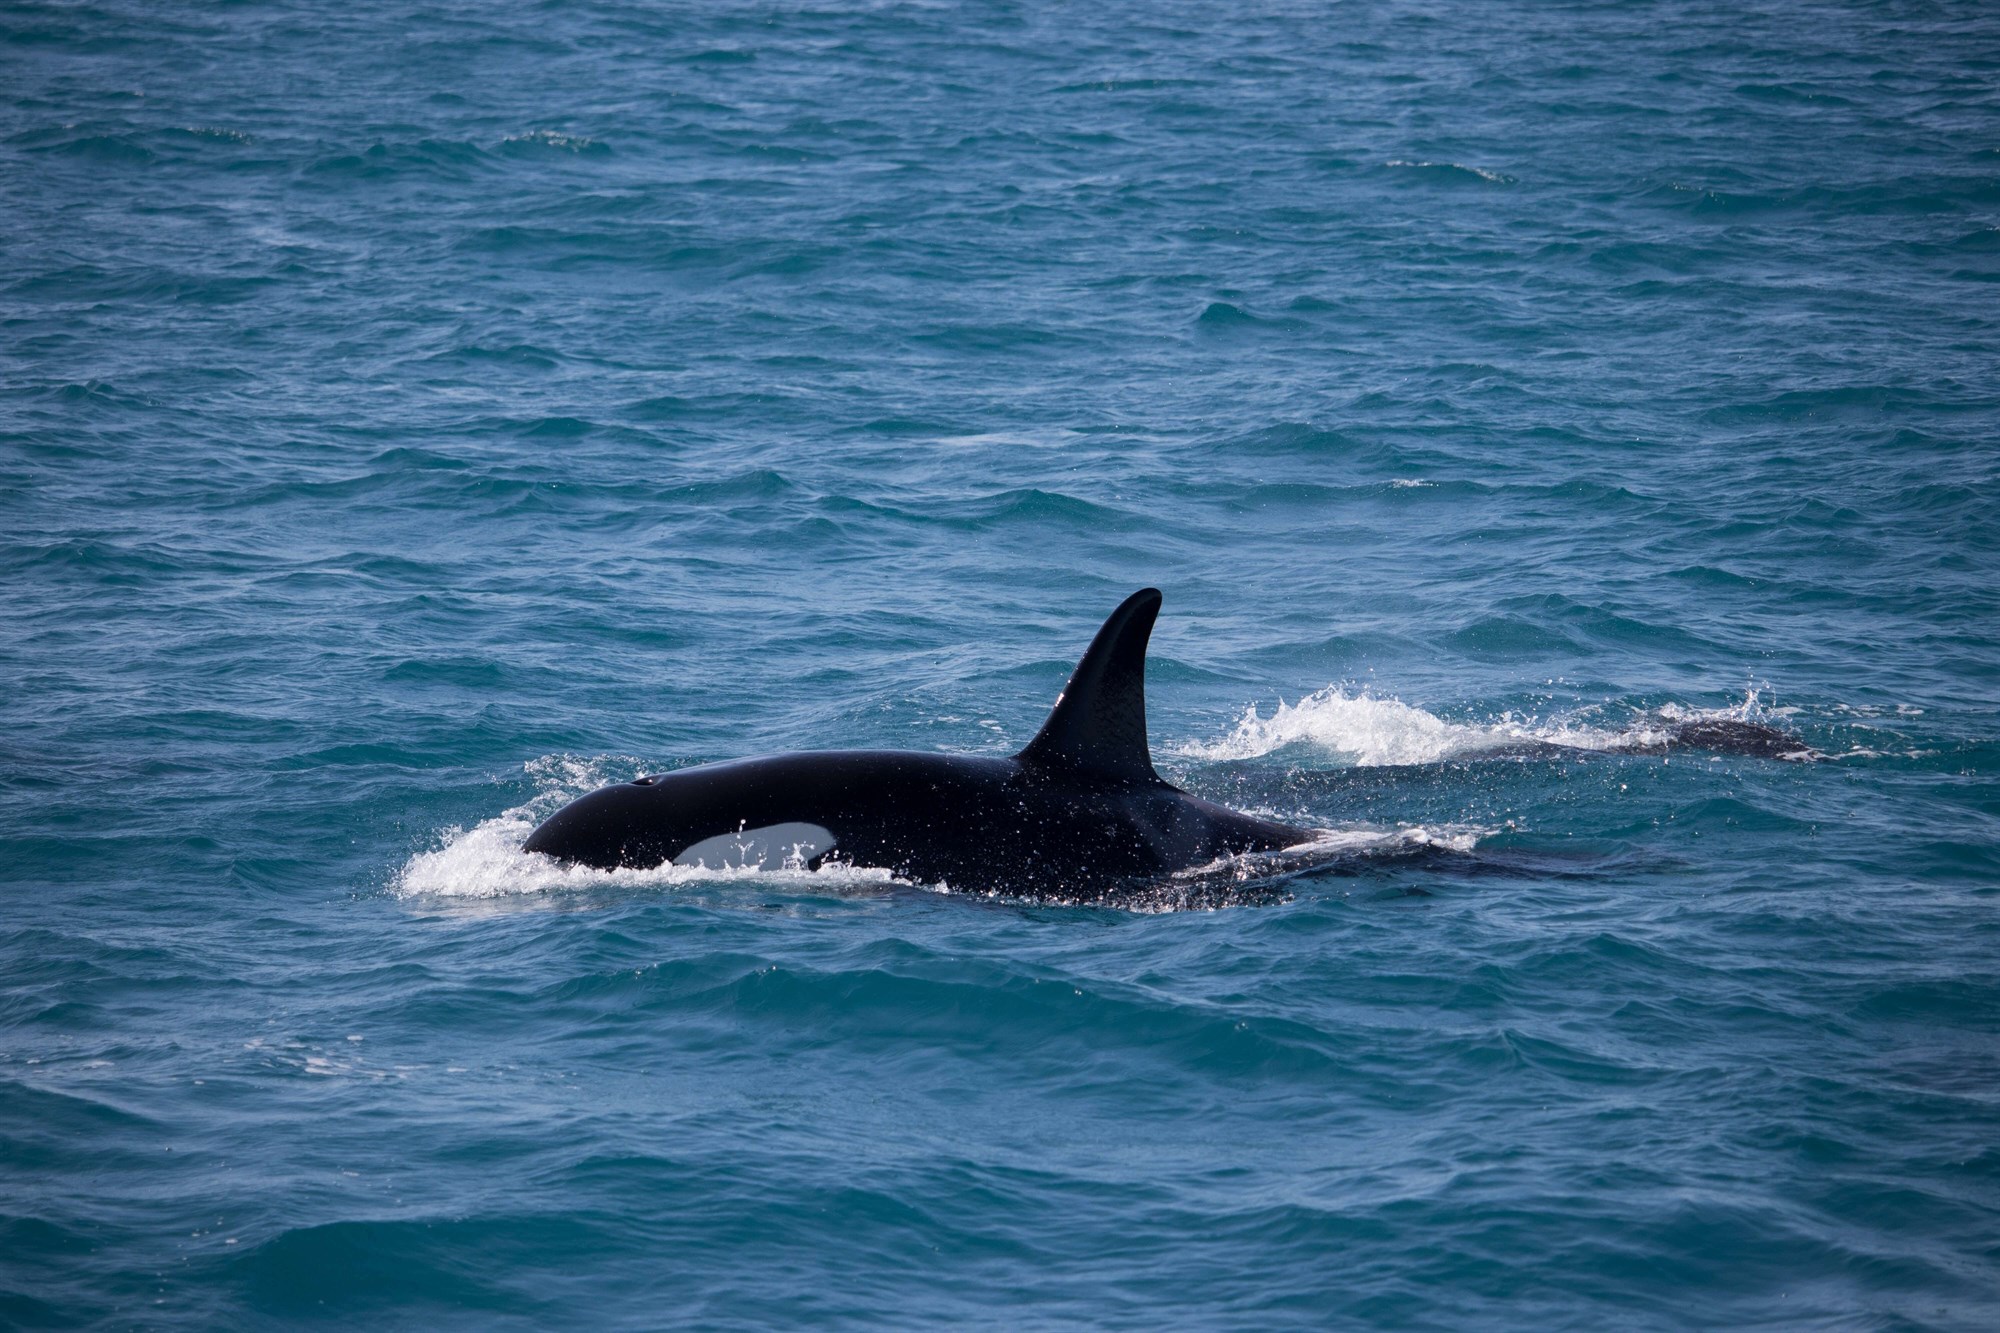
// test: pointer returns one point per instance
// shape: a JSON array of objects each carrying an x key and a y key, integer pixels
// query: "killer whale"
[{"x": 1078, "y": 814}]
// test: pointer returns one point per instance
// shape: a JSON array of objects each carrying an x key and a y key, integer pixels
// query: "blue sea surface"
[{"x": 414, "y": 417}]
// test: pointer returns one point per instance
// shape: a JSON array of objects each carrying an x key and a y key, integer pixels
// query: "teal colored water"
[{"x": 410, "y": 421}]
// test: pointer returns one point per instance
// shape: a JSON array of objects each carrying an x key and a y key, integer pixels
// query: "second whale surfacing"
[{"x": 1078, "y": 815}]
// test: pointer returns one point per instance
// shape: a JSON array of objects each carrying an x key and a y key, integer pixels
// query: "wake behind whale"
[{"x": 1366, "y": 730}]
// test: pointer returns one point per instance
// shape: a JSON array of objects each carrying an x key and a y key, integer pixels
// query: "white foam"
[
  {"x": 1365, "y": 730},
  {"x": 573, "y": 143},
  {"x": 1369, "y": 731}
]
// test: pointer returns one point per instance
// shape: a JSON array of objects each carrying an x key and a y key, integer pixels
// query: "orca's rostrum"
[{"x": 1078, "y": 813}]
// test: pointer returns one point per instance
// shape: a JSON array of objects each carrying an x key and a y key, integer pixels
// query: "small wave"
[
  {"x": 110, "y": 148},
  {"x": 1369, "y": 732},
  {"x": 213, "y": 134},
  {"x": 1453, "y": 171},
  {"x": 567, "y": 143},
  {"x": 1220, "y": 316}
]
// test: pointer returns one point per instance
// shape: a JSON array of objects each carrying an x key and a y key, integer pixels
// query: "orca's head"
[
  {"x": 691, "y": 818},
  {"x": 611, "y": 827}
]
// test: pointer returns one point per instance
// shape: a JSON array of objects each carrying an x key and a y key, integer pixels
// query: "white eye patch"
[{"x": 772, "y": 847}]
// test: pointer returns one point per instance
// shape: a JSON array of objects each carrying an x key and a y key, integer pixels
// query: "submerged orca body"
[{"x": 1078, "y": 814}]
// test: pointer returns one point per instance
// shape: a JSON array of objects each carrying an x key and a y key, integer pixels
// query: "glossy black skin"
[{"x": 987, "y": 825}]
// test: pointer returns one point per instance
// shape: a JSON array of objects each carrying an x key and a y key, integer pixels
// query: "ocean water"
[{"x": 412, "y": 417}]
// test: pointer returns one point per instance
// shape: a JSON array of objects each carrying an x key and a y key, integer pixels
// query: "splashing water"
[{"x": 1368, "y": 732}]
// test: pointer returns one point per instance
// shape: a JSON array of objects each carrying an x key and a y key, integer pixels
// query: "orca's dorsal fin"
[{"x": 1098, "y": 726}]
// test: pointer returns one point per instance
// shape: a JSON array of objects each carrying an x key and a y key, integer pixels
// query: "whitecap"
[
  {"x": 569, "y": 143},
  {"x": 1366, "y": 730}
]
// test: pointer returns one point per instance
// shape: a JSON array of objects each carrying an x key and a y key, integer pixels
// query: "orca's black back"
[
  {"x": 1076, "y": 814},
  {"x": 985, "y": 825}
]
